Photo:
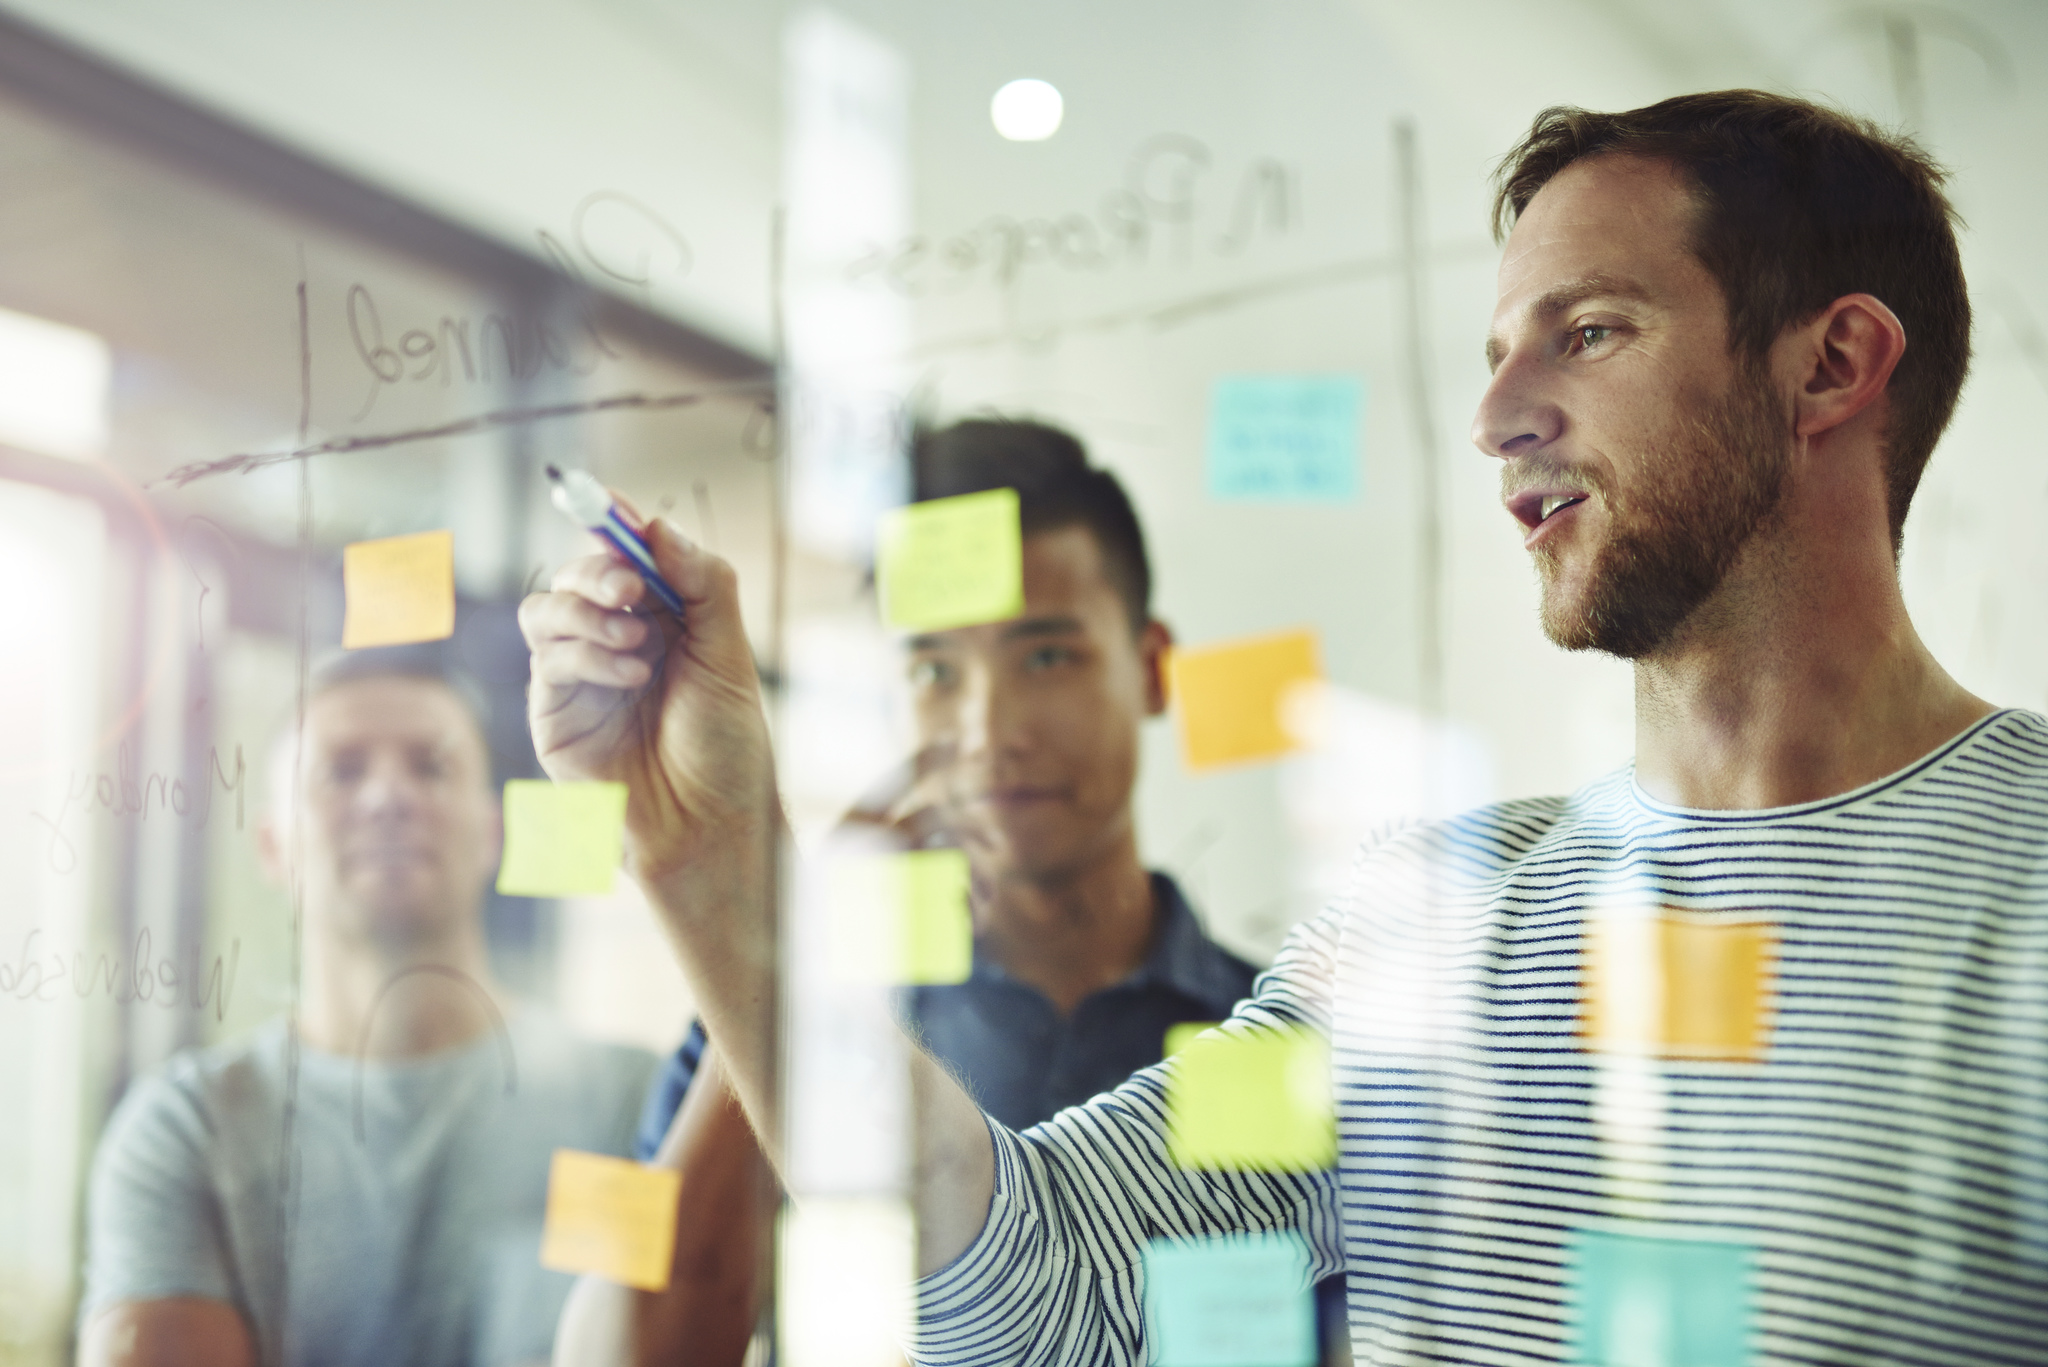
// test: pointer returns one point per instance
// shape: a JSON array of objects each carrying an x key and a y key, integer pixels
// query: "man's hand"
[{"x": 671, "y": 709}]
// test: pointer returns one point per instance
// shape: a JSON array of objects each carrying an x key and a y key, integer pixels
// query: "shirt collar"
[{"x": 1183, "y": 957}]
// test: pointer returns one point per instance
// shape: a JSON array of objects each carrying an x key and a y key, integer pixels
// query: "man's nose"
[
  {"x": 1517, "y": 415},
  {"x": 990, "y": 719},
  {"x": 388, "y": 787}
]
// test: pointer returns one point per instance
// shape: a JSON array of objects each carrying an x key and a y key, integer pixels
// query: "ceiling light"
[{"x": 1027, "y": 111}]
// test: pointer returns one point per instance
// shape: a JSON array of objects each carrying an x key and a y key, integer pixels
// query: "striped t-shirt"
[{"x": 1618, "y": 1082}]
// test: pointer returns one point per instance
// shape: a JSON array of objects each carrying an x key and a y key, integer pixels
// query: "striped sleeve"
[{"x": 1056, "y": 1274}]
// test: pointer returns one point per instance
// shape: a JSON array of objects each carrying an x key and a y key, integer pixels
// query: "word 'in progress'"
[
  {"x": 562, "y": 839},
  {"x": 610, "y": 1217},
  {"x": 1677, "y": 986},
  {"x": 900, "y": 918},
  {"x": 1231, "y": 698},
  {"x": 1257, "y": 1100},
  {"x": 39, "y": 975},
  {"x": 1660, "y": 1302},
  {"x": 1236, "y": 1302},
  {"x": 398, "y": 590},
  {"x": 1163, "y": 195},
  {"x": 951, "y": 562},
  {"x": 1285, "y": 438},
  {"x": 123, "y": 792}
]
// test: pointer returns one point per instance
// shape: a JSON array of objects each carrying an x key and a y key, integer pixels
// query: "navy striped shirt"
[{"x": 1872, "y": 1183}]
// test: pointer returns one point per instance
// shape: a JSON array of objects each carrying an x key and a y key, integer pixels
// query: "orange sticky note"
[
  {"x": 1249, "y": 1100},
  {"x": 398, "y": 590},
  {"x": 1677, "y": 986},
  {"x": 1228, "y": 697},
  {"x": 610, "y": 1217}
]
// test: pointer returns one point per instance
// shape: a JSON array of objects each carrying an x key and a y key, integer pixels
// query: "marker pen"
[{"x": 589, "y": 504}]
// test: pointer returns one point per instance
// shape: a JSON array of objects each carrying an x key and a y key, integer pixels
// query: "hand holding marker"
[{"x": 589, "y": 504}]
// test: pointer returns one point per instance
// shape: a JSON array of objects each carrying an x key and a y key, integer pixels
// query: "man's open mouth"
[{"x": 1535, "y": 507}]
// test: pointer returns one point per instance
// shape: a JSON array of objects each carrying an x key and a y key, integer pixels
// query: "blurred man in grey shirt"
[{"x": 419, "y": 1105}]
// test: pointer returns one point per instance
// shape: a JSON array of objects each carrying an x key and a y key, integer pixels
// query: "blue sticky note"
[
  {"x": 1639, "y": 1301},
  {"x": 1237, "y": 1302},
  {"x": 1285, "y": 438}
]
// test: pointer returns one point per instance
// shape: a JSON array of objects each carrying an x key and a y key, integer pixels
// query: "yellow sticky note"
[
  {"x": 398, "y": 590},
  {"x": 1677, "y": 986},
  {"x": 951, "y": 562},
  {"x": 610, "y": 1217},
  {"x": 561, "y": 839},
  {"x": 1258, "y": 1100},
  {"x": 900, "y": 918},
  {"x": 1228, "y": 697}
]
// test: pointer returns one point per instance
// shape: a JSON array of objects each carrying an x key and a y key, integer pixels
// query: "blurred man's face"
[
  {"x": 396, "y": 829},
  {"x": 1640, "y": 455},
  {"x": 1028, "y": 729}
]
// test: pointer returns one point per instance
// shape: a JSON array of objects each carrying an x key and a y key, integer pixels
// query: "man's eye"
[
  {"x": 1592, "y": 335},
  {"x": 930, "y": 673},
  {"x": 1045, "y": 657}
]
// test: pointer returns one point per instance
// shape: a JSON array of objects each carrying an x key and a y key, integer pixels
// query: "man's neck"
[
  {"x": 398, "y": 1003},
  {"x": 1074, "y": 934},
  {"x": 1803, "y": 678}
]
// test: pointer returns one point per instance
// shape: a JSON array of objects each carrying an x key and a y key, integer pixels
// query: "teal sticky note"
[
  {"x": 1643, "y": 1301},
  {"x": 1285, "y": 438},
  {"x": 1243, "y": 1301}
]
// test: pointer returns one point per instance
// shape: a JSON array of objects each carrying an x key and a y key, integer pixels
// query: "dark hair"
[
  {"x": 1798, "y": 206},
  {"x": 1056, "y": 487}
]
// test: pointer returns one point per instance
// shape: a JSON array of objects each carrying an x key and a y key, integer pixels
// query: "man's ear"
[
  {"x": 1154, "y": 644},
  {"x": 1845, "y": 357}
]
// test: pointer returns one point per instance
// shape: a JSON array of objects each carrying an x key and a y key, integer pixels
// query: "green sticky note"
[
  {"x": 1249, "y": 1100},
  {"x": 900, "y": 918},
  {"x": 951, "y": 562},
  {"x": 1242, "y": 1301},
  {"x": 561, "y": 839},
  {"x": 1638, "y": 1300}
]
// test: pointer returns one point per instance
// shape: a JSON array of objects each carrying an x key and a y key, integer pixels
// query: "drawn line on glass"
[
  {"x": 480, "y": 422},
  {"x": 455, "y": 975}
]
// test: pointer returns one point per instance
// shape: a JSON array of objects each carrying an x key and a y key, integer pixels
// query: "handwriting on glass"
[
  {"x": 42, "y": 974},
  {"x": 619, "y": 237},
  {"x": 1162, "y": 197},
  {"x": 122, "y": 792}
]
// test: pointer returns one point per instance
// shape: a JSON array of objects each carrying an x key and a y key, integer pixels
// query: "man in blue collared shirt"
[
  {"x": 1029, "y": 749},
  {"x": 1028, "y": 734}
]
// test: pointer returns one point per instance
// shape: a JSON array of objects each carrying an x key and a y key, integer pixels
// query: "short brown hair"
[{"x": 1798, "y": 206}]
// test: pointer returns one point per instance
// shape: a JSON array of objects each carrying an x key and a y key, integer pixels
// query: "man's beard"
[{"x": 1674, "y": 539}]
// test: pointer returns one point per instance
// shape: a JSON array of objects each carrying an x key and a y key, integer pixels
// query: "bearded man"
[{"x": 1736, "y": 1055}]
